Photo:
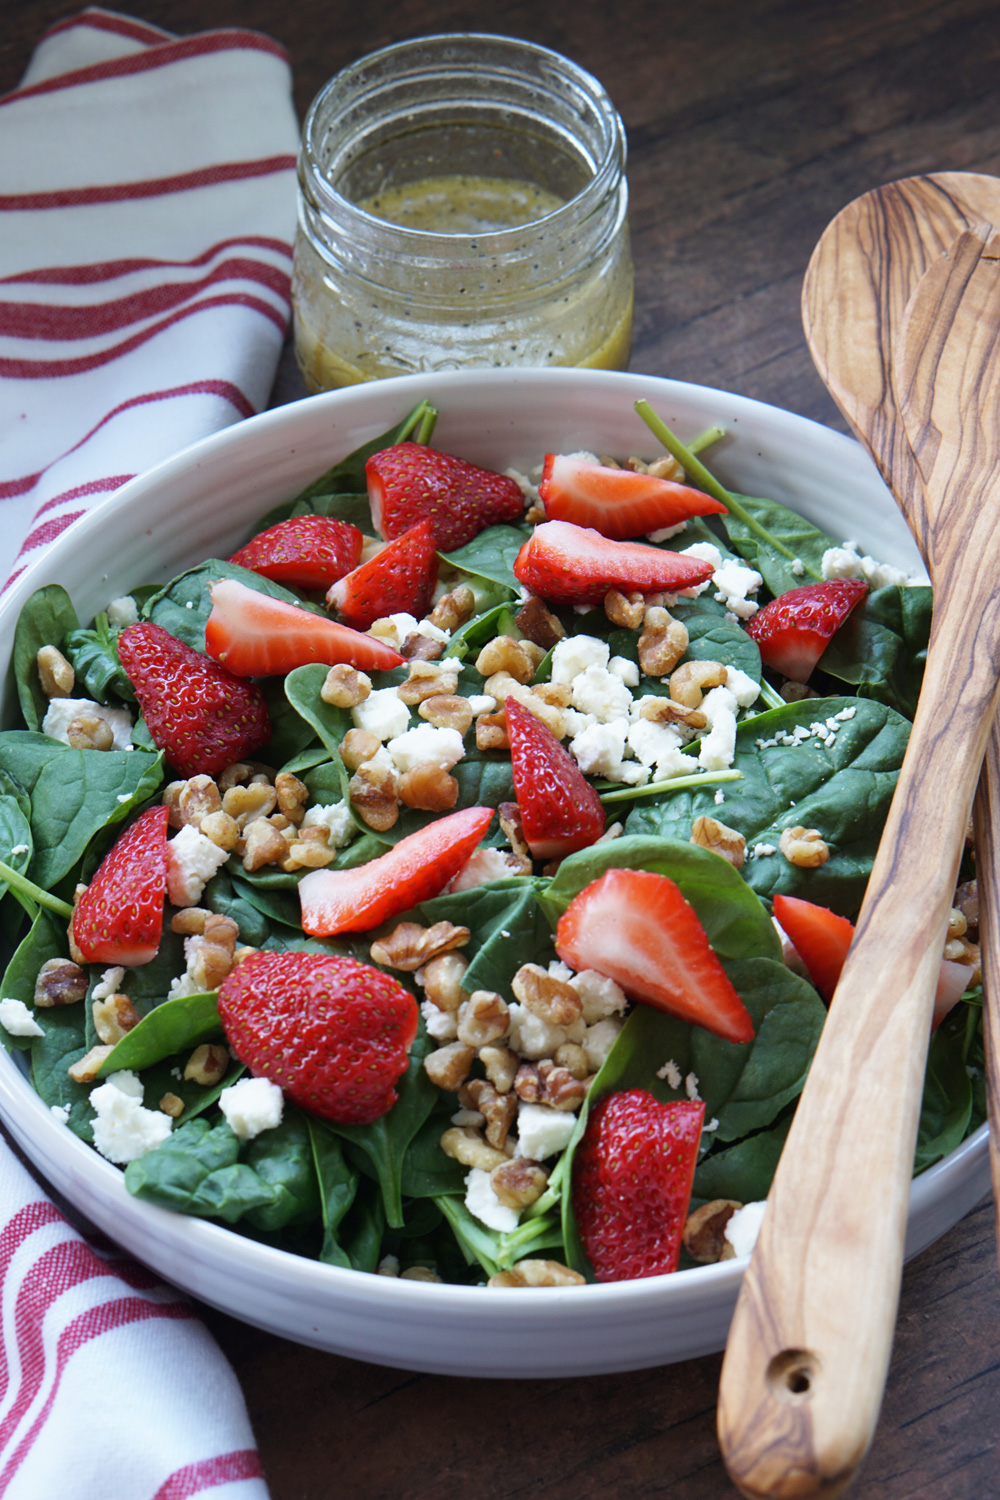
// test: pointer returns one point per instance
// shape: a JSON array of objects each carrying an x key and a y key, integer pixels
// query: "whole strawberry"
[
  {"x": 795, "y": 629},
  {"x": 119, "y": 917},
  {"x": 410, "y": 482},
  {"x": 309, "y": 552},
  {"x": 560, "y": 810},
  {"x": 632, "y": 1176},
  {"x": 333, "y": 1033},
  {"x": 201, "y": 716}
]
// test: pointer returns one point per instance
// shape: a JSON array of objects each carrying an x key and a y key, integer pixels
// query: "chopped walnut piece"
[
  {"x": 113, "y": 1017},
  {"x": 627, "y": 610},
  {"x": 500, "y": 1064},
  {"x": 55, "y": 675},
  {"x": 538, "y": 624},
  {"x": 214, "y": 953},
  {"x": 967, "y": 901},
  {"x": 345, "y": 687},
  {"x": 59, "y": 982},
  {"x": 88, "y": 731},
  {"x": 693, "y": 679},
  {"x": 504, "y": 654},
  {"x": 469, "y": 1148},
  {"x": 510, "y": 821},
  {"x": 538, "y": 1273},
  {"x": 310, "y": 849},
  {"x": 172, "y": 1105},
  {"x": 709, "y": 833},
  {"x": 197, "y": 798},
  {"x": 551, "y": 999},
  {"x": 189, "y": 920},
  {"x": 665, "y": 467},
  {"x": 428, "y": 789},
  {"x": 446, "y": 711},
  {"x": 804, "y": 847},
  {"x": 501, "y": 684},
  {"x": 357, "y": 746},
  {"x": 86, "y": 1069},
  {"x": 529, "y": 1086},
  {"x": 483, "y": 1018},
  {"x": 571, "y": 1056},
  {"x": 498, "y": 1110},
  {"x": 419, "y": 647},
  {"x": 452, "y": 610},
  {"x": 223, "y": 830},
  {"x": 257, "y": 799},
  {"x": 662, "y": 643},
  {"x": 448, "y": 1067},
  {"x": 373, "y": 793},
  {"x": 420, "y": 1273},
  {"x": 426, "y": 680},
  {"x": 957, "y": 923},
  {"x": 562, "y": 1090},
  {"x": 442, "y": 980},
  {"x": 207, "y": 1063},
  {"x": 292, "y": 794},
  {"x": 704, "y": 1233},
  {"x": 242, "y": 773},
  {"x": 519, "y": 1182},
  {"x": 661, "y": 710},
  {"x": 263, "y": 845},
  {"x": 409, "y": 946},
  {"x": 491, "y": 732}
]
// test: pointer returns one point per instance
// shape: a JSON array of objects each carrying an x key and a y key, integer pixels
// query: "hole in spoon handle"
[{"x": 792, "y": 1375}]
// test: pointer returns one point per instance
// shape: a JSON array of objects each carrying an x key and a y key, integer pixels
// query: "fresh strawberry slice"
[
  {"x": 333, "y": 1033},
  {"x": 560, "y": 810},
  {"x": 632, "y": 1177},
  {"x": 569, "y": 564},
  {"x": 636, "y": 927},
  {"x": 617, "y": 502},
  {"x": 410, "y": 482},
  {"x": 201, "y": 716},
  {"x": 821, "y": 939},
  {"x": 414, "y": 870},
  {"x": 253, "y": 635},
  {"x": 119, "y": 917},
  {"x": 795, "y": 629},
  {"x": 399, "y": 579},
  {"x": 308, "y": 552}
]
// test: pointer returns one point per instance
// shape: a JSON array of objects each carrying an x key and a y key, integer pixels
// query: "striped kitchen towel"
[{"x": 147, "y": 207}]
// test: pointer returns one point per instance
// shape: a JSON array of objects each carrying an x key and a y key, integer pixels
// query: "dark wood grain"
[{"x": 750, "y": 124}]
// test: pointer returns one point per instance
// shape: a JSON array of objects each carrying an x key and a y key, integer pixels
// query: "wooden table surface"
[{"x": 750, "y": 124}]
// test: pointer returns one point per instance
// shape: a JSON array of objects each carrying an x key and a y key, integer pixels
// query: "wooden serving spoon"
[
  {"x": 809, "y": 1346},
  {"x": 857, "y": 286}
]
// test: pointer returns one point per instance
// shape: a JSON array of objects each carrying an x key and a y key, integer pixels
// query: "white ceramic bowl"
[{"x": 202, "y": 503}]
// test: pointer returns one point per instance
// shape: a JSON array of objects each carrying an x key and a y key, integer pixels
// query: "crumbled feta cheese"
[
  {"x": 62, "y": 711},
  {"x": 762, "y": 851},
  {"x": 122, "y": 611},
  {"x": 742, "y": 686},
  {"x": 383, "y": 714},
  {"x": 123, "y": 1129},
  {"x": 531, "y": 1037},
  {"x": 252, "y": 1105},
  {"x": 626, "y": 669},
  {"x": 733, "y": 582},
  {"x": 601, "y": 996},
  {"x": 719, "y": 797},
  {"x": 484, "y": 1205},
  {"x": 336, "y": 818},
  {"x": 575, "y": 653},
  {"x": 60, "y": 1112},
  {"x": 17, "y": 1020},
  {"x": 387, "y": 1266},
  {"x": 18, "y": 849},
  {"x": 192, "y": 860},
  {"x": 744, "y": 1226},
  {"x": 482, "y": 866},
  {"x": 798, "y": 567},
  {"x": 393, "y": 629},
  {"x": 670, "y": 1073},
  {"x": 602, "y": 693},
  {"x": 691, "y": 1087},
  {"x": 442, "y": 1025},
  {"x": 598, "y": 1041},
  {"x": 426, "y": 745},
  {"x": 183, "y": 985},
  {"x": 880, "y": 575},
  {"x": 481, "y": 703},
  {"x": 664, "y": 533},
  {"x": 543, "y": 1132},
  {"x": 718, "y": 746},
  {"x": 559, "y": 970},
  {"x": 841, "y": 562},
  {"x": 599, "y": 749},
  {"x": 650, "y": 742},
  {"x": 705, "y": 552},
  {"x": 433, "y": 632},
  {"x": 108, "y": 984}
]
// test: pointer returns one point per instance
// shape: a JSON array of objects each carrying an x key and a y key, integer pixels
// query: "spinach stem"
[
  {"x": 677, "y": 784},
  {"x": 22, "y": 886},
  {"x": 425, "y": 418},
  {"x": 706, "y": 439},
  {"x": 704, "y": 480},
  {"x": 771, "y": 696}
]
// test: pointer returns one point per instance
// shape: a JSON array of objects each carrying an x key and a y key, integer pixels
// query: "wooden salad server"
[
  {"x": 809, "y": 1345},
  {"x": 853, "y": 300}
]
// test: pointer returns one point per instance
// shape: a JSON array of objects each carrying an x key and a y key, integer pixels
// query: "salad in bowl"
[{"x": 430, "y": 884}]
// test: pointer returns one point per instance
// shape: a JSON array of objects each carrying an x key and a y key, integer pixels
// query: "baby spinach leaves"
[
  {"x": 175, "y": 1026},
  {"x": 491, "y": 555},
  {"x": 45, "y": 620},
  {"x": 93, "y": 656}
]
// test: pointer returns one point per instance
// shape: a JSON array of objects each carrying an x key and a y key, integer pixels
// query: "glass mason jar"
[{"x": 462, "y": 203}]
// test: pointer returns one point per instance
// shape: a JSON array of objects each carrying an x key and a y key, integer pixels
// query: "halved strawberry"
[
  {"x": 253, "y": 635},
  {"x": 821, "y": 939},
  {"x": 795, "y": 629},
  {"x": 333, "y": 1033},
  {"x": 414, "y": 870},
  {"x": 119, "y": 917},
  {"x": 569, "y": 564},
  {"x": 617, "y": 502},
  {"x": 560, "y": 810},
  {"x": 398, "y": 579},
  {"x": 309, "y": 552},
  {"x": 201, "y": 716},
  {"x": 636, "y": 927},
  {"x": 632, "y": 1177},
  {"x": 410, "y": 482}
]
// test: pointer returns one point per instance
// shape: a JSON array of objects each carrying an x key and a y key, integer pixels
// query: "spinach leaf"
[
  {"x": 796, "y": 539},
  {"x": 282, "y": 1159},
  {"x": 743, "y": 1171},
  {"x": 509, "y": 927},
  {"x": 93, "y": 654},
  {"x": 47, "y": 617},
  {"x": 427, "y": 1171},
  {"x": 175, "y": 1026},
  {"x": 491, "y": 555},
  {"x": 195, "y": 1171},
  {"x": 475, "y": 633},
  {"x": 78, "y": 793},
  {"x": 338, "y": 1188},
  {"x": 64, "y": 1043},
  {"x": 792, "y": 776},
  {"x": 183, "y": 606},
  {"x": 15, "y": 829},
  {"x": 882, "y": 646},
  {"x": 302, "y": 689},
  {"x": 221, "y": 896},
  {"x": 45, "y": 939}
]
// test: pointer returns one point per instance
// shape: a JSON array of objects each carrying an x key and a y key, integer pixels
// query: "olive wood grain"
[
  {"x": 809, "y": 1346},
  {"x": 861, "y": 276}
]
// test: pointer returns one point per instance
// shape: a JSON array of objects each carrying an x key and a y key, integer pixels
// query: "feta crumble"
[
  {"x": 426, "y": 745},
  {"x": 670, "y": 1073},
  {"x": 383, "y": 714},
  {"x": 744, "y": 1226},
  {"x": 543, "y": 1132},
  {"x": 336, "y": 818},
  {"x": 252, "y": 1105},
  {"x": 484, "y": 1205},
  {"x": 192, "y": 860},
  {"x": 17, "y": 1020},
  {"x": 62, "y": 711},
  {"x": 123, "y": 1129}
]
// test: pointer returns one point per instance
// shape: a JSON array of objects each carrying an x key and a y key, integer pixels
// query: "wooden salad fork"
[{"x": 809, "y": 1345}]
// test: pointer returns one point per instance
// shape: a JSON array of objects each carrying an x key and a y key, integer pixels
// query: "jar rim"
[{"x": 466, "y": 49}]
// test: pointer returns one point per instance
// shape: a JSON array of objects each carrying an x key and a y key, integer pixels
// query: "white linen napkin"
[{"x": 147, "y": 205}]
